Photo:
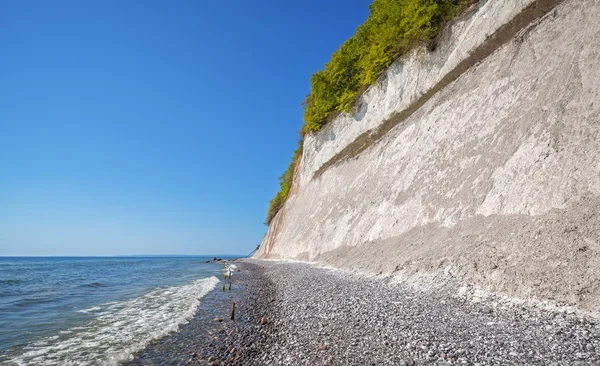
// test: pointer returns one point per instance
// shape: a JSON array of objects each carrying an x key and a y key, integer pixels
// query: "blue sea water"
[{"x": 96, "y": 310}]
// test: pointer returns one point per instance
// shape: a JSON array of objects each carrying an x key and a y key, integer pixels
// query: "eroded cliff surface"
[{"x": 493, "y": 180}]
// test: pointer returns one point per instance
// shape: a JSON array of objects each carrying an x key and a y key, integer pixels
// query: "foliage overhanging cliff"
[{"x": 393, "y": 28}]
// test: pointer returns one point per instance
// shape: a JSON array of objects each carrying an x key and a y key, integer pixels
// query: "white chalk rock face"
[
  {"x": 495, "y": 180},
  {"x": 407, "y": 80}
]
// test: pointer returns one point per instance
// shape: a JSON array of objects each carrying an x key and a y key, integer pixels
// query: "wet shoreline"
[{"x": 211, "y": 338}]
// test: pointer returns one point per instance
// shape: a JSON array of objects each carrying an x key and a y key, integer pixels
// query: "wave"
[
  {"x": 119, "y": 329},
  {"x": 29, "y": 301},
  {"x": 10, "y": 282},
  {"x": 93, "y": 309},
  {"x": 92, "y": 285}
]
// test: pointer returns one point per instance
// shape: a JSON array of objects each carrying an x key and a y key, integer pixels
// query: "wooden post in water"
[
  {"x": 223, "y": 287},
  {"x": 229, "y": 286},
  {"x": 233, "y": 311}
]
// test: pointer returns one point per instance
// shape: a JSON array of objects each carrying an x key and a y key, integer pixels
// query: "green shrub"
[
  {"x": 285, "y": 184},
  {"x": 393, "y": 28}
]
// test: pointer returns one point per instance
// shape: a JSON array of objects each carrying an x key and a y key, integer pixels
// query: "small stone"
[
  {"x": 486, "y": 310},
  {"x": 590, "y": 347},
  {"x": 322, "y": 347},
  {"x": 264, "y": 320},
  {"x": 211, "y": 359},
  {"x": 219, "y": 319}
]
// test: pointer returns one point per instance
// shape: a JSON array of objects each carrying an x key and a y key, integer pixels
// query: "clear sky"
[{"x": 153, "y": 127}]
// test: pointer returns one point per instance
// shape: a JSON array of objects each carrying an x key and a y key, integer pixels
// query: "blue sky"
[{"x": 153, "y": 127}]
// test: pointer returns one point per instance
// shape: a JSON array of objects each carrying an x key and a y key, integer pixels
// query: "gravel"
[
  {"x": 301, "y": 314},
  {"x": 319, "y": 316}
]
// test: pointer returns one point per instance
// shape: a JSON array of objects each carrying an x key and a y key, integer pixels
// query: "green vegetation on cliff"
[
  {"x": 285, "y": 184},
  {"x": 393, "y": 28}
]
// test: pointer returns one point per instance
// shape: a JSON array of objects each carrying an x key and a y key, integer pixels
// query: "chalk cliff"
[{"x": 477, "y": 162}]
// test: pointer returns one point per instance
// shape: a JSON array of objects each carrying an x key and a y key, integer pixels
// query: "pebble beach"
[{"x": 301, "y": 314}]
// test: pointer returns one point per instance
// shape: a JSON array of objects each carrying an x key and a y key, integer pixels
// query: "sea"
[{"x": 95, "y": 310}]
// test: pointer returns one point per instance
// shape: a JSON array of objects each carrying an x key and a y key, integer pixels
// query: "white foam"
[
  {"x": 120, "y": 329},
  {"x": 90, "y": 310}
]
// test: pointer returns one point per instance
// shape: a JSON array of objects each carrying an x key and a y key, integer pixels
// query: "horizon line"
[{"x": 125, "y": 255}]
